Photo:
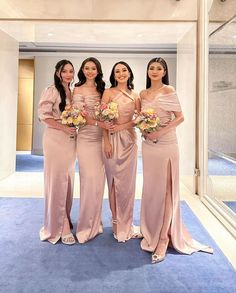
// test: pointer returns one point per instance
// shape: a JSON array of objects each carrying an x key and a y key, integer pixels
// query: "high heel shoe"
[
  {"x": 162, "y": 247},
  {"x": 157, "y": 258},
  {"x": 68, "y": 239}
]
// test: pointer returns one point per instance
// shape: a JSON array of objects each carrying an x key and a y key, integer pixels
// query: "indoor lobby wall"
[{"x": 8, "y": 103}]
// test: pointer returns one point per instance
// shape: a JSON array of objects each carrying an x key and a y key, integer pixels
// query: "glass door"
[{"x": 221, "y": 154}]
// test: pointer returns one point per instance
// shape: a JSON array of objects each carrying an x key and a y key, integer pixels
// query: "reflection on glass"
[{"x": 222, "y": 116}]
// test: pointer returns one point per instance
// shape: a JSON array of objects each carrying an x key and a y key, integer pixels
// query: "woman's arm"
[
  {"x": 179, "y": 118},
  {"x": 57, "y": 125}
]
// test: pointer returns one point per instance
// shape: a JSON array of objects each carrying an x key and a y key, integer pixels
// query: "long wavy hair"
[
  {"x": 113, "y": 82},
  {"x": 100, "y": 84},
  {"x": 58, "y": 82},
  {"x": 165, "y": 78}
]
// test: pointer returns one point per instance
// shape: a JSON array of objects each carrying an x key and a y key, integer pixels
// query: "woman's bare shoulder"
[{"x": 169, "y": 89}]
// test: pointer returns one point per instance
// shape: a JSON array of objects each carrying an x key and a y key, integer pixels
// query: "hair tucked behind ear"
[
  {"x": 165, "y": 78},
  {"x": 100, "y": 84},
  {"x": 58, "y": 83}
]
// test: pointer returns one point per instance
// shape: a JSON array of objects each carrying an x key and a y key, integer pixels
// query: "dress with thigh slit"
[
  {"x": 59, "y": 164},
  {"x": 160, "y": 180},
  {"x": 121, "y": 169},
  {"x": 91, "y": 172}
]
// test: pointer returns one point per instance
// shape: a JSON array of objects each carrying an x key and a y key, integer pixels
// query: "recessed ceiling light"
[
  {"x": 234, "y": 36},
  {"x": 50, "y": 34},
  {"x": 139, "y": 35}
]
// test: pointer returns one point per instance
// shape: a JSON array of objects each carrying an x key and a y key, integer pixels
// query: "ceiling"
[
  {"x": 130, "y": 26},
  {"x": 136, "y": 36}
]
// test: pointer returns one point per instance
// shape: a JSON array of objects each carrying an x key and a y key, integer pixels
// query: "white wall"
[
  {"x": 8, "y": 103},
  {"x": 186, "y": 89},
  {"x": 44, "y": 71}
]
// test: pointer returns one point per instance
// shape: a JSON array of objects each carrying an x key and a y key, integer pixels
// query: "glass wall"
[{"x": 221, "y": 177}]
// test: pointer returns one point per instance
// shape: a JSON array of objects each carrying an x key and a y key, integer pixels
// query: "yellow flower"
[
  {"x": 69, "y": 120},
  {"x": 149, "y": 111}
]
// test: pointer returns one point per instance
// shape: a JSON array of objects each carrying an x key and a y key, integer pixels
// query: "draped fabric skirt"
[
  {"x": 121, "y": 179},
  {"x": 160, "y": 171}
]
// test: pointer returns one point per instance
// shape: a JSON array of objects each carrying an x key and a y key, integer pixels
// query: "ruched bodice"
[{"x": 88, "y": 102}]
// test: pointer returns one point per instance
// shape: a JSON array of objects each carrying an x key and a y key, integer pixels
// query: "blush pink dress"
[
  {"x": 91, "y": 172},
  {"x": 160, "y": 176},
  {"x": 59, "y": 164},
  {"x": 121, "y": 169}
]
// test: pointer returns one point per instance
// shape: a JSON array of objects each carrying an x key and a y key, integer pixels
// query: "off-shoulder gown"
[
  {"x": 161, "y": 179},
  {"x": 91, "y": 172}
]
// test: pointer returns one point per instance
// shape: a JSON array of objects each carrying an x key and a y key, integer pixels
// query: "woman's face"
[
  {"x": 90, "y": 70},
  {"x": 67, "y": 74},
  {"x": 121, "y": 73},
  {"x": 156, "y": 71}
]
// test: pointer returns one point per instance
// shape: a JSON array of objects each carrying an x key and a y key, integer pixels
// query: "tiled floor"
[{"x": 23, "y": 184}]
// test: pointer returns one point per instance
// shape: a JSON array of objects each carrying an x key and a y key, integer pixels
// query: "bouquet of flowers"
[
  {"x": 147, "y": 120},
  {"x": 106, "y": 112},
  {"x": 73, "y": 117}
]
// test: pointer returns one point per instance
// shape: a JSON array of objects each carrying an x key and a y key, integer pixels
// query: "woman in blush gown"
[
  {"x": 161, "y": 222},
  {"x": 59, "y": 157},
  {"x": 87, "y": 93},
  {"x": 120, "y": 151}
]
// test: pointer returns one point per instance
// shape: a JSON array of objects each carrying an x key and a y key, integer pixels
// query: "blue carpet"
[
  {"x": 220, "y": 166},
  {"x": 32, "y": 163},
  {"x": 231, "y": 205},
  {"x": 102, "y": 265}
]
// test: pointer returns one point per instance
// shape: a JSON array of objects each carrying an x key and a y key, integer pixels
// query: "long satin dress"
[
  {"x": 59, "y": 164},
  {"x": 121, "y": 169},
  {"x": 91, "y": 172},
  {"x": 161, "y": 179}
]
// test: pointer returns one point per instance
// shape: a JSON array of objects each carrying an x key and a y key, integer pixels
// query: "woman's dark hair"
[
  {"x": 165, "y": 78},
  {"x": 100, "y": 84},
  {"x": 113, "y": 82},
  {"x": 58, "y": 82}
]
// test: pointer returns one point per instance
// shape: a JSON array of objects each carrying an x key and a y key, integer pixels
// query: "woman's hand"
[
  {"x": 68, "y": 130},
  {"x": 153, "y": 135},
  {"x": 117, "y": 127},
  {"x": 108, "y": 149},
  {"x": 108, "y": 125}
]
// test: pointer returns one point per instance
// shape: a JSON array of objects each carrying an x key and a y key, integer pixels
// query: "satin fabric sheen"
[
  {"x": 91, "y": 172},
  {"x": 121, "y": 169},
  {"x": 160, "y": 171},
  {"x": 59, "y": 164}
]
